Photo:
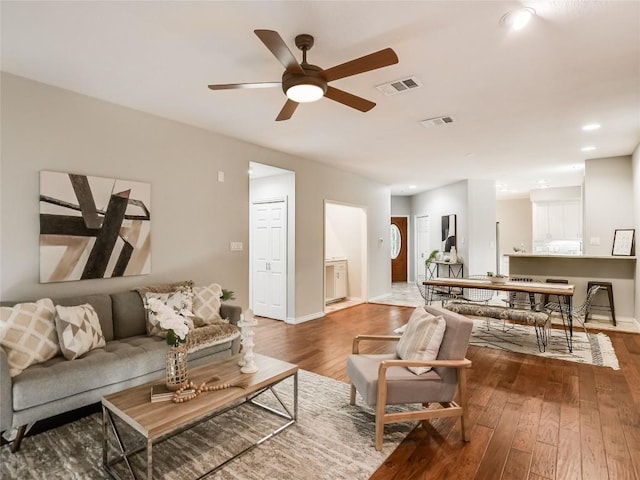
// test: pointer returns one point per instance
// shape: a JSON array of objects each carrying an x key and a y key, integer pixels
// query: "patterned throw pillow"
[
  {"x": 206, "y": 304},
  {"x": 28, "y": 334},
  {"x": 79, "y": 330},
  {"x": 181, "y": 299},
  {"x": 421, "y": 339}
]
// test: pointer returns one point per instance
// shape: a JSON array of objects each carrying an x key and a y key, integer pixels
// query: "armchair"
[{"x": 384, "y": 379}]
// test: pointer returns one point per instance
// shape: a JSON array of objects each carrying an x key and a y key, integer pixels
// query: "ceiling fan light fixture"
[{"x": 305, "y": 93}]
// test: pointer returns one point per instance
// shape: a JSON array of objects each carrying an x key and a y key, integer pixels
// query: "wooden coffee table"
[{"x": 158, "y": 421}]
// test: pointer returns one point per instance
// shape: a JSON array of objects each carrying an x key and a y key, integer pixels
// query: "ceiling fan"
[{"x": 303, "y": 82}]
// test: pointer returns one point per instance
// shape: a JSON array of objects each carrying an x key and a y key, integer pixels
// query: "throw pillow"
[
  {"x": 206, "y": 304},
  {"x": 421, "y": 339},
  {"x": 179, "y": 300},
  {"x": 78, "y": 329},
  {"x": 28, "y": 334}
]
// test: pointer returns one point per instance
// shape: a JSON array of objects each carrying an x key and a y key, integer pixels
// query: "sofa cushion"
[
  {"x": 129, "y": 316},
  {"x": 78, "y": 330},
  {"x": 421, "y": 339},
  {"x": 28, "y": 334},
  {"x": 119, "y": 361}
]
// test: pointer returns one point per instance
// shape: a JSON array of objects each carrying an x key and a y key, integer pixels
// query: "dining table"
[{"x": 563, "y": 291}]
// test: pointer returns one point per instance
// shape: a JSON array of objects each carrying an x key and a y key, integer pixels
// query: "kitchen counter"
[
  {"x": 584, "y": 257},
  {"x": 578, "y": 270}
]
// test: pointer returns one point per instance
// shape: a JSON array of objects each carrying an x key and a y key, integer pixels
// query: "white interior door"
[
  {"x": 269, "y": 253},
  {"x": 422, "y": 243}
]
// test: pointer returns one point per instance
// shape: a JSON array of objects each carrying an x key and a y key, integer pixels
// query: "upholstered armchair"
[{"x": 385, "y": 379}]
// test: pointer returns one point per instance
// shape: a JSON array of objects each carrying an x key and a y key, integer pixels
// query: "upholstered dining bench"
[{"x": 540, "y": 320}]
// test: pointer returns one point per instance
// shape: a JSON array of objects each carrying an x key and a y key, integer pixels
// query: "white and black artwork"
[
  {"x": 93, "y": 227},
  {"x": 448, "y": 232}
]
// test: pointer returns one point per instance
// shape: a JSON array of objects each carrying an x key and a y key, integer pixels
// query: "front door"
[
  {"x": 269, "y": 266},
  {"x": 399, "y": 249}
]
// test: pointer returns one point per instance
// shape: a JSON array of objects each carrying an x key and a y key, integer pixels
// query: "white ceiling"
[{"x": 519, "y": 99}]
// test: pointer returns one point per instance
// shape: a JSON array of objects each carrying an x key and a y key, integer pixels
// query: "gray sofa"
[{"x": 130, "y": 358}]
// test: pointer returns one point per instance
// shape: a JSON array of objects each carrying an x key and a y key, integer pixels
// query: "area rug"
[
  {"x": 592, "y": 348},
  {"x": 332, "y": 440}
]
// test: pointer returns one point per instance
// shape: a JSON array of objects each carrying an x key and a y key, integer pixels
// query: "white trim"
[{"x": 306, "y": 318}]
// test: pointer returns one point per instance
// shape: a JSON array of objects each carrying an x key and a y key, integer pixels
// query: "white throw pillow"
[
  {"x": 28, "y": 334},
  {"x": 421, "y": 339},
  {"x": 79, "y": 330},
  {"x": 206, "y": 304}
]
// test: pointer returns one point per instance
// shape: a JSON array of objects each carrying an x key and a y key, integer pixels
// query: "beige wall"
[
  {"x": 516, "y": 222},
  {"x": 608, "y": 201},
  {"x": 194, "y": 217}
]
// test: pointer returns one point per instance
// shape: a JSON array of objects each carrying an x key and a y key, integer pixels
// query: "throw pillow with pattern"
[
  {"x": 79, "y": 330},
  {"x": 206, "y": 304},
  {"x": 28, "y": 334}
]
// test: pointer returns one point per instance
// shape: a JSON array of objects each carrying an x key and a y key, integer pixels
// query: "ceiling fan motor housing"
[{"x": 313, "y": 75}]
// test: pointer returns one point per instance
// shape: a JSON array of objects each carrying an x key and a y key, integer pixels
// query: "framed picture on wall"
[
  {"x": 623, "y": 242},
  {"x": 448, "y": 232}
]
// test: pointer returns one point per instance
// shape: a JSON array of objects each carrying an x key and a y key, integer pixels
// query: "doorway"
[
  {"x": 345, "y": 256},
  {"x": 399, "y": 249},
  {"x": 272, "y": 242}
]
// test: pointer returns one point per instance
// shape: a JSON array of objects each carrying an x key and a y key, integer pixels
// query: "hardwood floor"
[{"x": 529, "y": 417}]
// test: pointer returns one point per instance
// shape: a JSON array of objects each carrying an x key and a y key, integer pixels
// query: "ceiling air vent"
[
  {"x": 432, "y": 122},
  {"x": 399, "y": 86}
]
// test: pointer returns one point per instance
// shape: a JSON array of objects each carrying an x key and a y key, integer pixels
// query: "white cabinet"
[
  {"x": 557, "y": 220},
  {"x": 336, "y": 280}
]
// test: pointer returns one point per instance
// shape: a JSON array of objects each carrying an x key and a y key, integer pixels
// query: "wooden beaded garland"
[{"x": 203, "y": 387}]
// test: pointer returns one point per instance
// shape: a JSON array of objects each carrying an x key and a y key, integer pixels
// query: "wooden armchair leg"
[
  {"x": 462, "y": 385},
  {"x": 380, "y": 411},
  {"x": 352, "y": 399}
]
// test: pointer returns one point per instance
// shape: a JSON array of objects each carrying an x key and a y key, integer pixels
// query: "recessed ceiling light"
[
  {"x": 412, "y": 187},
  {"x": 518, "y": 19},
  {"x": 588, "y": 148},
  {"x": 591, "y": 126}
]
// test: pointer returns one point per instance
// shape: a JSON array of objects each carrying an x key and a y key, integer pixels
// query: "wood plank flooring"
[{"x": 529, "y": 417}]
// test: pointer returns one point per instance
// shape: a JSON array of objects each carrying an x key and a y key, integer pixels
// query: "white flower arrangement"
[{"x": 175, "y": 323}]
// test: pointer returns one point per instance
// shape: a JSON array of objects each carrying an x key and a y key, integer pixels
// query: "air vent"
[
  {"x": 433, "y": 122},
  {"x": 399, "y": 86}
]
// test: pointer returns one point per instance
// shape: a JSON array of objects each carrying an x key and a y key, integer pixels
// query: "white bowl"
[{"x": 498, "y": 279}]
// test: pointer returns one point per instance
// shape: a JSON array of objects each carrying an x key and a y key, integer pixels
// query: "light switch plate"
[
  {"x": 594, "y": 241},
  {"x": 236, "y": 246},
  {"x": 221, "y": 176}
]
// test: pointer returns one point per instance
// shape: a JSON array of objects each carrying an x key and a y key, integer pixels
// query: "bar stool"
[
  {"x": 545, "y": 297},
  {"x": 609, "y": 288}
]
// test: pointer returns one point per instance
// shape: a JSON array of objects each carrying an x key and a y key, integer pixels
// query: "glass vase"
[{"x": 176, "y": 368}]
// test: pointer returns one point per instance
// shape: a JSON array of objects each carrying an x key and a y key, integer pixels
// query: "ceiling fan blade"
[
  {"x": 287, "y": 111},
  {"x": 273, "y": 41},
  {"x": 380, "y": 59},
  {"x": 233, "y": 86},
  {"x": 349, "y": 99}
]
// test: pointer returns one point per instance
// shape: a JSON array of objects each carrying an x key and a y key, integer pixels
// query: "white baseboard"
[{"x": 306, "y": 318}]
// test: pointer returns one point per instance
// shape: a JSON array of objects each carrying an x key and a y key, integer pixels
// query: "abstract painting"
[
  {"x": 93, "y": 227},
  {"x": 448, "y": 232}
]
